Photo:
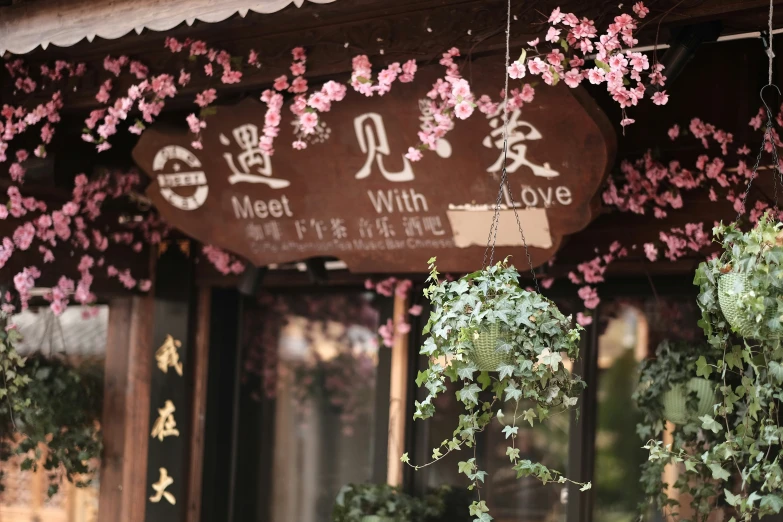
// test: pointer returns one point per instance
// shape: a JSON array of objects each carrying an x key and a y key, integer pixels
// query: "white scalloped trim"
[{"x": 66, "y": 22}]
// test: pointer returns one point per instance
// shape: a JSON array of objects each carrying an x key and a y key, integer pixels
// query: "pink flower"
[
  {"x": 533, "y": 43},
  {"x": 184, "y": 78},
  {"x": 463, "y": 109},
  {"x": 583, "y": 320},
  {"x": 674, "y": 132},
  {"x": 640, "y": 10},
  {"x": 298, "y": 69},
  {"x": 627, "y": 121},
  {"x": 17, "y": 173},
  {"x": 552, "y": 35},
  {"x": 195, "y": 124},
  {"x": 299, "y": 145},
  {"x": 556, "y": 17},
  {"x": 415, "y": 310},
  {"x": 299, "y": 85},
  {"x": 308, "y": 120},
  {"x": 596, "y": 75},
  {"x": 548, "y": 282},
  {"x": 335, "y": 91},
  {"x": 516, "y": 70},
  {"x": 413, "y": 154},
  {"x": 208, "y": 69},
  {"x": 590, "y": 297},
  {"x": 660, "y": 98},
  {"x": 572, "y": 78},
  {"x": 298, "y": 53},
  {"x": 24, "y": 235},
  {"x": 230, "y": 76},
  {"x": 403, "y": 328},
  {"x": 650, "y": 251},
  {"x": 205, "y": 98},
  {"x": 145, "y": 285}
]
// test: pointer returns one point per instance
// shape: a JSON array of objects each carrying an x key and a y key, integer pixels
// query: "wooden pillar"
[
  {"x": 125, "y": 422},
  {"x": 397, "y": 396}
]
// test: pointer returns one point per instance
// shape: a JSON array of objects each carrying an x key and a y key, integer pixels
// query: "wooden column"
[
  {"x": 125, "y": 423},
  {"x": 397, "y": 396}
]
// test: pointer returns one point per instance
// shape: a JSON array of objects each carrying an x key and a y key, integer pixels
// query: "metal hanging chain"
[
  {"x": 493, "y": 229},
  {"x": 768, "y": 137}
]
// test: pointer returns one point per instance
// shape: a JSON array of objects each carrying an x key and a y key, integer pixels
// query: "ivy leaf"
[
  {"x": 586, "y": 487},
  {"x": 548, "y": 358},
  {"x": 690, "y": 466},
  {"x": 510, "y": 430},
  {"x": 512, "y": 392},
  {"x": 702, "y": 368},
  {"x": 466, "y": 372},
  {"x": 484, "y": 380},
  {"x": 530, "y": 415},
  {"x": 505, "y": 370},
  {"x": 512, "y": 453},
  {"x": 421, "y": 377},
  {"x": 731, "y": 498},
  {"x": 776, "y": 370},
  {"x": 708, "y": 423},
  {"x": 772, "y": 502},
  {"x": 466, "y": 466},
  {"x": 718, "y": 473},
  {"x": 404, "y": 458},
  {"x": 470, "y": 393}
]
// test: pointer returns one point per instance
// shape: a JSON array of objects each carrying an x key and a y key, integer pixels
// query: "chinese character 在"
[
  {"x": 160, "y": 488},
  {"x": 371, "y": 134},
  {"x": 167, "y": 356},
  {"x": 246, "y": 136},
  {"x": 165, "y": 425},
  {"x": 517, "y": 151}
]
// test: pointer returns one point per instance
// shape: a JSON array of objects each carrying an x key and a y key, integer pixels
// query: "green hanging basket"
[
  {"x": 676, "y": 399},
  {"x": 376, "y": 518},
  {"x": 729, "y": 285},
  {"x": 485, "y": 354}
]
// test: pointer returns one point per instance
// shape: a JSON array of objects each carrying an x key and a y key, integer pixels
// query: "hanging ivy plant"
[
  {"x": 385, "y": 503},
  {"x": 54, "y": 415},
  {"x": 486, "y": 322},
  {"x": 735, "y": 452},
  {"x": 670, "y": 390}
]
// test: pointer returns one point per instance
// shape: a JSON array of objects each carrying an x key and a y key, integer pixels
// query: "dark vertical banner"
[{"x": 167, "y": 462}]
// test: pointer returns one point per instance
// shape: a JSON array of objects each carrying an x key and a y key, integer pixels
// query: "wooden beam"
[{"x": 126, "y": 410}]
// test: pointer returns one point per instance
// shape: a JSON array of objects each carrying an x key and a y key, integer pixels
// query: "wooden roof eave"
[{"x": 25, "y": 26}]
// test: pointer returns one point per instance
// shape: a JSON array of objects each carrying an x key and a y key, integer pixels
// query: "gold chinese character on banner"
[
  {"x": 160, "y": 488},
  {"x": 168, "y": 356},
  {"x": 165, "y": 425}
]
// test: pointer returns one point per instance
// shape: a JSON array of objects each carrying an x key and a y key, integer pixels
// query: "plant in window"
[
  {"x": 384, "y": 503},
  {"x": 669, "y": 389},
  {"x": 485, "y": 323},
  {"x": 732, "y": 457}
]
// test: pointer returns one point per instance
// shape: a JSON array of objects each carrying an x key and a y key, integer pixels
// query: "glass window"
[
  {"x": 312, "y": 367},
  {"x": 631, "y": 330}
]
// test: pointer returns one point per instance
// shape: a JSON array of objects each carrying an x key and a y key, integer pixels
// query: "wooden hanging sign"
[{"x": 355, "y": 196}]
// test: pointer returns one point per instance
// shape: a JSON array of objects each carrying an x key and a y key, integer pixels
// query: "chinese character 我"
[
  {"x": 167, "y": 356},
  {"x": 165, "y": 425}
]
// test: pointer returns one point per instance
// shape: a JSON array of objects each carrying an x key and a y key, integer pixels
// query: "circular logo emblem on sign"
[{"x": 191, "y": 181}]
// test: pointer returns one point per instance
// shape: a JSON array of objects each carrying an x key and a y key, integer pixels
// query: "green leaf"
[
  {"x": 510, "y": 430},
  {"x": 421, "y": 377},
  {"x": 470, "y": 393},
  {"x": 731, "y": 498},
  {"x": 512, "y": 453},
  {"x": 702, "y": 368},
  {"x": 772, "y": 502},
  {"x": 586, "y": 487},
  {"x": 530, "y": 415},
  {"x": 708, "y": 423},
  {"x": 718, "y": 473},
  {"x": 404, "y": 458},
  {"x": 505, "y": 370},
  {"x": 776, "y": 371},
  {"x": 484, "y": 380},
  {"x": 549, "y": 358},
  {"x": 466, "y": 466},
  {"x": 513, "y": 392}
]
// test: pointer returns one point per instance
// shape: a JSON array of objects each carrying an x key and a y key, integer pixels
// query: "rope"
[{"x": 493, "y": 229}]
